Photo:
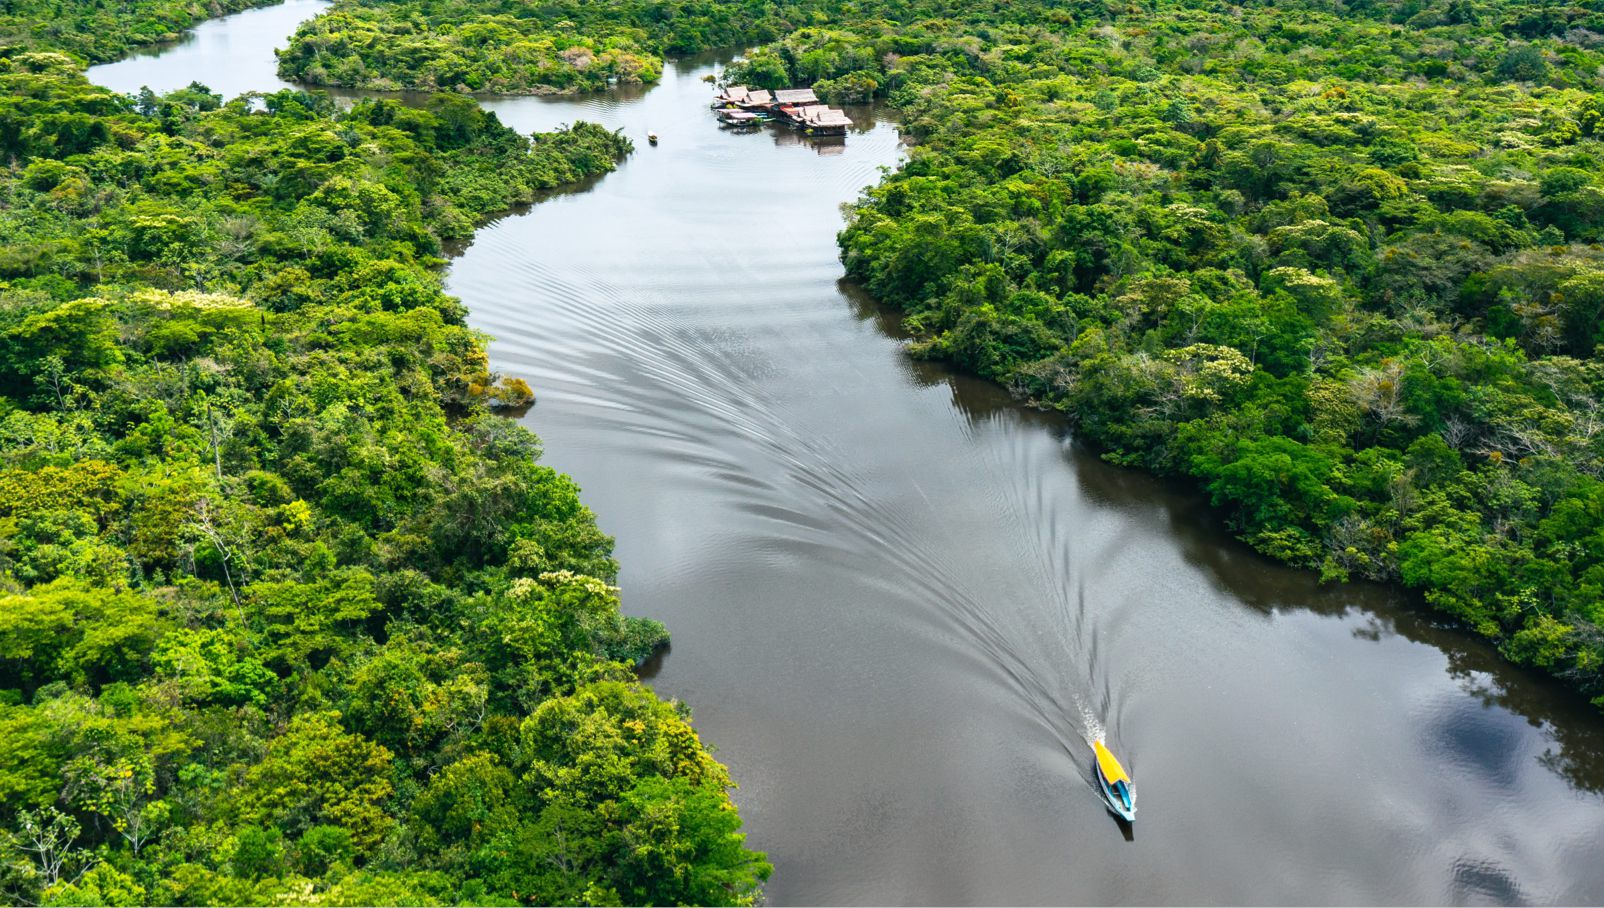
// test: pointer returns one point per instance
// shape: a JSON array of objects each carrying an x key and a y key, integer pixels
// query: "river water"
[{"x": 902, "y": 605}]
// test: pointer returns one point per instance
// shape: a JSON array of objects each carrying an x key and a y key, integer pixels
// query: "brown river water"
[{"x": 902, "y": 605}]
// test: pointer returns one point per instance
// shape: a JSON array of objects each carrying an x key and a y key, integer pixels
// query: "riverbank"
[
  {"x": 282, "y": 592},
  {"x": 900, "y": 610},
  {"x": 1315, "y": 294},
  {"x": 889, "y": 580},
  {"x": 98, "y": 34}
]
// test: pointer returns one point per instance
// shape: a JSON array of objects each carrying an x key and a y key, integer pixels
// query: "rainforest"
[
  {"x": 293, "y": 611},
  {"x": 1338, "y": 267},
  {"x": 1335, "y": 264},
  {"x": 507, "y": 47},
  {"x": 288, "y": 607}
]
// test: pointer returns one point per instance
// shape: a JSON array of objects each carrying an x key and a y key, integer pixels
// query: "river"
[{"x": 901, "y": 605}]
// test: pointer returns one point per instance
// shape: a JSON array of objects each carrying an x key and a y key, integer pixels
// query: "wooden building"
[
  {"x": 738, "y": 105},
  {"x": 730, "y": 96},
  {"x": 824, "y": 121},
  {"x": 795, "y": 97},
  {"x": 759, "y": 100}
]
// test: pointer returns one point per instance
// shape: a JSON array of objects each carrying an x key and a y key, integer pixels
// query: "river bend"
[{"x": 902, "y": 605}]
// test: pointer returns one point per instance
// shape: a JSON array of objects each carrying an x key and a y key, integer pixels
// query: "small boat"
[
  {"x": 651, "y": 137},
  {"x": 1116, "y": 785}
]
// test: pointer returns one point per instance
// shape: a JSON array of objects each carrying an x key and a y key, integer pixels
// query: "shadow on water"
[
  {"x": 654, "y": 663},
  {"x": 1127, "y": 829},
  {"x": 618, "y": 94}
]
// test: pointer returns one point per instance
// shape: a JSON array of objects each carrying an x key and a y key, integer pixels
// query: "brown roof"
[
  {"x": 796, "y": 96},
  {"x": 825, "y": 116},
  {"x": 758, "y": 97}
]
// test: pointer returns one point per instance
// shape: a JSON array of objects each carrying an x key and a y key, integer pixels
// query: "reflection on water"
[{"x": 901, "y": 604}]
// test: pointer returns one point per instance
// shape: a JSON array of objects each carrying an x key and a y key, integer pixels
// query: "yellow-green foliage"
[
  {"x": 384, "y": 48},
  {"x": 272, "y": 574}
]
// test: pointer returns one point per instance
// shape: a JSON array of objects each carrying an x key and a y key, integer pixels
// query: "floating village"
[{"x": 738, "y": 107}]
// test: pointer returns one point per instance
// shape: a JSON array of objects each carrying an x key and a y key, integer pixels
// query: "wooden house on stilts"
[{"x": 738, "y": 105}]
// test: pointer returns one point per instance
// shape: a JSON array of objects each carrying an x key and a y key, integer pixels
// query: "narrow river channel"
[{"x": 902, "y": 605}]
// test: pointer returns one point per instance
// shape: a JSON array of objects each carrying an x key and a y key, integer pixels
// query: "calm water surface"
[
  {"x": 901, "y": 605},
  {"x": 231, "y": 55}
]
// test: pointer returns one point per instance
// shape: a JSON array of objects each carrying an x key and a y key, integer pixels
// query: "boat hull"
[{"x": 1112, "y": 800}]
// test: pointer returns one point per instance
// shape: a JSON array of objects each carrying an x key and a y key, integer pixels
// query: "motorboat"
[{"x": 1115, "y": 783}]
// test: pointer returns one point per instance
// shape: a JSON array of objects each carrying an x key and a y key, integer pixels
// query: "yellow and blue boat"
[{"x": 1115, "y": 783}]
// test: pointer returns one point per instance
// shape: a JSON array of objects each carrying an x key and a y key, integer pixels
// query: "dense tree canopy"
[
  {"x": 512, "y": 47},
  {"x": 288, "y": 612},
  {"x": 100, "y": 30},
  {"x": 454, "y": 46}
]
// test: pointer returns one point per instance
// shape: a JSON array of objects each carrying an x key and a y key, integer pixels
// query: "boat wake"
[
  {"x": 1092, "y": 729},
  {"x": 676, "y": 354}
]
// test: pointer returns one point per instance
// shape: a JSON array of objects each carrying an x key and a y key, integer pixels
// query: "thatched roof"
[
  {"x": 796, "y": 96},
  {"x": 825, "y": 116}
]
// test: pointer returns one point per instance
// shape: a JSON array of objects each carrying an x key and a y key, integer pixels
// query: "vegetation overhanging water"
[{"x": 1481, "y": 867}]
